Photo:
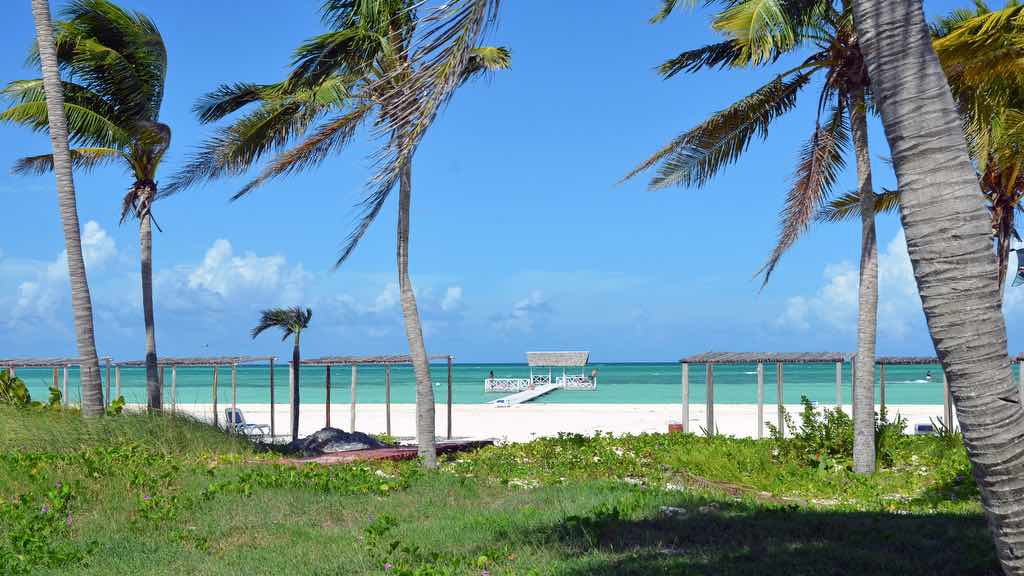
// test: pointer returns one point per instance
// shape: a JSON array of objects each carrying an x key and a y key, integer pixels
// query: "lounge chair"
[{"x": 236, "y": 422}]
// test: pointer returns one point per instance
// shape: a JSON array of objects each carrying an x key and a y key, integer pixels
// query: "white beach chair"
[{"x": 236, "y": 422}]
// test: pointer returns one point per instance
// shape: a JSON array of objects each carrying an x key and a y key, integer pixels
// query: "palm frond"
[
  {"x": 669, "y": 6},
  {"x": 718, "y": 55},
  {"x": 350, "y": 50},
  {"x": 329, "y": 138},
  {"x": 762, "y": 29},
  {"x": 82, "y": 159},
  {"x": 847, "y": 206},
  {"x": 288, "y": 320},
  {"x": 821, "y": 160},
  {"x": 694, "y": 157},
  {"x": 85, "y": 126},
  {"x": 487, "y": 59},
  {"x": 228, "y": 99}
]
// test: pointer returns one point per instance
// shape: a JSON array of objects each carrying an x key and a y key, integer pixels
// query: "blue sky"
[{"x": 520, "y": 237}]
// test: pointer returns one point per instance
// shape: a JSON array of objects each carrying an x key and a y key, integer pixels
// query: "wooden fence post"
[
  {"x": 779, "y": 372},
  {"x": 117, "y": 378},
  {"x": 709, "y": 384},
  {"x": 216, "y": 417},
  {"x": 947, "y": 402},
  {"x": 160, "y": 382},
  {"x": 272, "y": 409},
  {"x": 387, "y": 397},
  {"x": 839, "y": 385},
  {"x": 760, "y": 400},
  {"x": 352, "y": 413},
  {"x": 174, "y": 388},
  {"x": 449, "y": 397},
  {"x": 67, "y": 401},
  {"x": 108, "y": 398},
  {"x": 881, "y": 386},
  {"x": 686, "y": 397},
  {"x": 55, "y": 382},
  {"x": 234, "y": 398},
  {"x": 327, "y": 401}
]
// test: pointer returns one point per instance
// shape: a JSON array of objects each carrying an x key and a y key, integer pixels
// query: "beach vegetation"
[
  {"x": 167, "y": 493},
  {"x": 757, "y": 34},
  {"x": 114, "y": 65}
]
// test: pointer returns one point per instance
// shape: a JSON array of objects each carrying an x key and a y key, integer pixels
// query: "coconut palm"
[
  {"x": 758, "y": 33},
  {"x": 979, "y": 50},
  {"x": 392, "y": 64},
  {"x": 291, "y": 321},
  {"x": 948, "y": 234},
  {"x": 114, "y": 65},
  {"x": 50, "y": 108}
]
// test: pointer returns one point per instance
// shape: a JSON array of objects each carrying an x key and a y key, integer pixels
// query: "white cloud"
[
  {"x": 835, "y": 304},
  {"x": 225, "y": 274},
  {"x": 525, "y": 313},
  {"x": 452, "y": 298}
]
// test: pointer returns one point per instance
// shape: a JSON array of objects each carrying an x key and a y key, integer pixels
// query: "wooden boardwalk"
[{"x": 526, "y": 395}]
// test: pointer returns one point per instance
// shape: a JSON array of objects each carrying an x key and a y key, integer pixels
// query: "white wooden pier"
[{"x": 528, "y": 395}]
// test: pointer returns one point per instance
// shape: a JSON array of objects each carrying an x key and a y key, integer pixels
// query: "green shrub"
[{"x": 13, "y": 391}]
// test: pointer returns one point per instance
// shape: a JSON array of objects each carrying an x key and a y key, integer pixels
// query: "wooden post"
[
  {"x": 352, "y": 413},
  {"x": 216, "y": 417},
  {"x": 55, "y": 377},
  {"x": 65, "y": 392},
  {"x": 160, "y": 383},
  {"x": 117, "y": 378},
  {"x": 234, "y": 398},
  {"x": 839, "y": 385},
  {"x": 760, "y": 400},
  {"x": 686, "y": 397},
  {"x": 108, "y": 398},
  {"x": 291, "y": 394},
  {"x": 387, "y": 397},
  {"x": 272, "y": 398},
  {"x": 881, "y": 386},
  {"x": 947, "y": 402},
  {"x": 13, "y": 371},
  {"x": 709, "y": 383},
  {"x": 779, "y": 398},
  {"x": 327, "y": 401},
  {"x": 174, "y": 388},
  {"x": 450, "y": 396}
]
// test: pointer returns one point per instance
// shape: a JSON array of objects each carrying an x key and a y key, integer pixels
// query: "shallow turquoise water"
[{"x": 617, "y": 384}]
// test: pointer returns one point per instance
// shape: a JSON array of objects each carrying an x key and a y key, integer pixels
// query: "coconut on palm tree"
[
  {"x": 949, "y": 235},
  {"x": 758, "y": 33},
  {"x": 389, "y": 64},
  {"x": 52, "y": 112},
  {"x": 291, "y": 322},
  {"x": 114, "y": 65}
]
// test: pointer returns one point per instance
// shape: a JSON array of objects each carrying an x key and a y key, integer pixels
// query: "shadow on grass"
[{"x": 748, "y": 540}]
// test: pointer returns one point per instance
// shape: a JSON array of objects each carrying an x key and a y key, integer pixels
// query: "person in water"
[{"x": 928, "y": 376}]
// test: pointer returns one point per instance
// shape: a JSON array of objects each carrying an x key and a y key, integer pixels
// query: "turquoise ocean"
[{"x": 621, "y": 383}]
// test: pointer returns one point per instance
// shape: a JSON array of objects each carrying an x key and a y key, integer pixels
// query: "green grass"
[{"x": 162, "y": 495}]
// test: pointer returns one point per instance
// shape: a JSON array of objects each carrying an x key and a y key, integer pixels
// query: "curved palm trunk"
[
  {"x": 867, "y": 297},
  {"x": 417, "y": 350},
  {"x": 154, "y": 391},
  {"x": 949, "y": 238},
  {"x": 92, "y": 392},
  {"x": 297, "y": 364}
]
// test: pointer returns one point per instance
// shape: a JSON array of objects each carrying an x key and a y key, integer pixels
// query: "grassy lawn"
[{"x": 157, "y": 495}]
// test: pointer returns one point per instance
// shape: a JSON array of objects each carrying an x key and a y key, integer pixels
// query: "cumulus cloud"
[
  {"x": 525, "y": 314},
  {"x": 452, "y": 299},
  {"x": 834, "y": 305}
]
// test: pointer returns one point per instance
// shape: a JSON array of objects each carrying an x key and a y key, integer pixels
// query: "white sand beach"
[{"x": 525, "y": 422}]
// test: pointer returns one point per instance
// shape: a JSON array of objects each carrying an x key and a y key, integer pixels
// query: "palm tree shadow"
[{"x": 748, "y": 540}]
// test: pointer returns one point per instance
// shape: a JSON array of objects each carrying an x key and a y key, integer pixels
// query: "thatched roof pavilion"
[
  {"x": 767, "y": 358},
  {"x": 200, "y": 361},
  {"x": 384, "y": 360},
  {"x": 43, "y": 362}
]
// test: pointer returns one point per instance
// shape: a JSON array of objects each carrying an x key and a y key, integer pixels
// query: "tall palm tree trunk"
[
  {"x": 1003, "y": 215},
  {"x": 296, "y": 365},
  {"x": 154, "y": 391},
  {"x": 950, "y": 244},
  {"x": 867, "y": 297},
  {"x": 92, "y": 391},
  {"x": 413, "y": 332}
]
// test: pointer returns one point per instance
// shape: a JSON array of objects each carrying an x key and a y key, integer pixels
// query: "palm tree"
[
  {"x": 949, "y": 240},
  {"x": 978, "y": 50},
  {"x": 51, "y": 107},
  {"x": 758, "y": 33},
  {"x": 392, "y": 63},
  {"x": 291, "y": 321},
  {"x": 114, "y": 63}
]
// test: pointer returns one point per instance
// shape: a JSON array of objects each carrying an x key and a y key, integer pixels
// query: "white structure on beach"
[{"x": 543, "y": 366}]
